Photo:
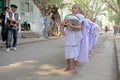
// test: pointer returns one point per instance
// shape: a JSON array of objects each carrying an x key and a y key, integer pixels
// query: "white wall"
[{"x": 37, "y": 23}]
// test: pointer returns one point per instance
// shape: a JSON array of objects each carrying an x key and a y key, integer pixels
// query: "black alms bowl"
[{"x": 72, "y": 18}]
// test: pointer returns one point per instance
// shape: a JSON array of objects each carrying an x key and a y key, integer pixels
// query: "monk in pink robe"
[
  {"x": 91, "y": 35},
  {"x": 96, "y": 34},
  {"x": 84, "y": 46}
]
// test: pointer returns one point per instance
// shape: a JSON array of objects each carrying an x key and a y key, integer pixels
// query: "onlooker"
[
  {"x": 47, "y": 24},
  {"x": 12, "y": 22},
  {"x": 106, "y": 29},
  {"x": 119, "y": 30},
  {"x": 2, "y": 19},
  {"x": 115, "y": 29}
]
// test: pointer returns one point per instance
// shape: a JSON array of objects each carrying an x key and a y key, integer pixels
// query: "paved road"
[{"x": 45, "y": 60}]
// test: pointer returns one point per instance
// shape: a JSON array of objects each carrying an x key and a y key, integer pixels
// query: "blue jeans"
[
  {"x": 115, "y": 32},
  {"x": 46, "y": 32},
  {"x": 12, "y": 33}
]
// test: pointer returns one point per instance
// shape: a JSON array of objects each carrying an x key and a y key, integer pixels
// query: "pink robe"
[
  {"x": 84, "y": 46},
  {"x": 91, "y": 35},
  {"x": 96, "y": 34}
]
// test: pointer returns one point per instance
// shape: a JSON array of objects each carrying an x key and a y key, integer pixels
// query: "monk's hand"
[
  {"x": 69, "y": 24},
  {"x": 63, "y": 23},
  {"x": 16, "y": 22}
]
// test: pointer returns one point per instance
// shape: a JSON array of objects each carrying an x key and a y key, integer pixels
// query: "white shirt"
[{"x": 7, "y": 16}]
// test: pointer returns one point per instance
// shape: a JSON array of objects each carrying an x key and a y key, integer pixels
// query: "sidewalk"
[
  {"x": 29, "y": 40},
  {"x": 117, "y": 43}
]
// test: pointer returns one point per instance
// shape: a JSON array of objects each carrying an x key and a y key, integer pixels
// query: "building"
[{"x": 28, "y": 12}]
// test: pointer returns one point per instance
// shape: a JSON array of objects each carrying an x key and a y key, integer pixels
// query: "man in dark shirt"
[{"x": 2, "y": 19}]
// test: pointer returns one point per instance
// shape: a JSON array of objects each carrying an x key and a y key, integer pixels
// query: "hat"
[{"x": 13, "y": 5}]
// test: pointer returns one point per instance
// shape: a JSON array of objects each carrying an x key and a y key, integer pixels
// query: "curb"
[
  {"x": 117, "y": 47},
  {"x": 2, "y": 45},
  {"x": 34, "y": 41}
]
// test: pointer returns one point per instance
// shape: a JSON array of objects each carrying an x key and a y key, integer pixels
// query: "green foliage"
[
  {"x": 118, "y": 2},
  {"x": 113, "y": 17},
  {"x": 92, "y": 7},
  {"x": 114, "y": 5},
  {"x": 53, "y": 3}
]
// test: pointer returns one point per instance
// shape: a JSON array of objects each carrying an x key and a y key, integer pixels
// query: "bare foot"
[
  {"x": 78, "y": 64},
  {"x": 72, "y": 72},
  {"x": 66, "y": 69},
  {"x": 89, "y": 52}
]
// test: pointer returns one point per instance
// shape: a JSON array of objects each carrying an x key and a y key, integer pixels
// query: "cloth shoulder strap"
[
  {"x": 16, "y": 16},
  {"x": 77, "y": 17},
  {"x": 10, "y": 14}
]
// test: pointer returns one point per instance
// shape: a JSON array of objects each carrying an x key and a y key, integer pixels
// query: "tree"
[
  {"x": 113, "y": 17},
  {"x": 114, "y": 14},
  {"x": 113, "y": 5},
  {"x": 51, "y": 7},
  {"x": 92, "y": 7}
]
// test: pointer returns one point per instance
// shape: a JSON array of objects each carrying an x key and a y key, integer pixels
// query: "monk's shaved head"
[{"x": 76, "y": 5}]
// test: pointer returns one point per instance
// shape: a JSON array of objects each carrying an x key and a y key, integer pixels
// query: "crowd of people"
[{"x": 79, "y": 39}]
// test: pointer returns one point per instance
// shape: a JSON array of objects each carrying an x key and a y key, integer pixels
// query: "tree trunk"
[
  {"x": 55, "y": 27},
  {"x": 55, "y": 20}
]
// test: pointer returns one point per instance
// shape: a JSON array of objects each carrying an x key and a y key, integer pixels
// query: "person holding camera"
[{"x": 12, "y": 23}]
